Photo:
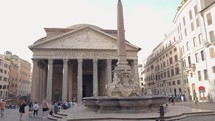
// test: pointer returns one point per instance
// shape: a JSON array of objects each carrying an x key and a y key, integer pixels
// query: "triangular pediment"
[{"x": 85, "y": 38}]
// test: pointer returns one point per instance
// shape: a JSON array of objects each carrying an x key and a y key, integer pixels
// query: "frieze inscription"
[{"x": 79, "y": 54}]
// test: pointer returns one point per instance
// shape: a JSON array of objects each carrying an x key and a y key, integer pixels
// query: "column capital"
[
  {"x": 80, "y": 60},
  {"x": 135, "y": 61},
  {"x": 95, "y": 60},
  {"x": 109, "y": 60},
  {"x": 35, "y": 60},
  {"x": 50, "y": 61},
  {"x": 65, "y": 60}
]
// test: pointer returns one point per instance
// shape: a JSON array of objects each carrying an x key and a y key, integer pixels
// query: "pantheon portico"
[{"x": 76, "y": 62}]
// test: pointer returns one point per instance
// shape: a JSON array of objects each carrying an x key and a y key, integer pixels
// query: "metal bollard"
[{"x": 162, "y": 118}]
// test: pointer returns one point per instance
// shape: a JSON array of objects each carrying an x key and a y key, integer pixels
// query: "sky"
[{"x": 22, "y": 22}]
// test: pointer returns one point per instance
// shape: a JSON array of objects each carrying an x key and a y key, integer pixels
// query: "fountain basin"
[{"x": 124, "y": 104}]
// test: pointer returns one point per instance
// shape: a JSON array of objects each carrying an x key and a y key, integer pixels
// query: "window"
[
  {"x": 176, "y": 58},
  {"x": 164, "y": 74},
  {"x": 179, "y": 26},
  {"x": 189, "y": 60},
  {"x": 195, "y": 10},
  {"x": 172, "y": 72},
  {"x": 203, "y": 55},
  {"x": 5, "y": 79},
  {"x": 194, "y": 42},
  {"x": 164, "y": 64},
  {"x": 182, "y": 49},
  {"x": 213, "y": 69},
  {"x": 175, "y": 49},
  {"x": 206, "y": 74},
  {"x": 212, "y": 53},
  {"x": 169, "y": 83},
  {"x": 173, "y": 83},
  {"x": 185, "y": 32},
  {"x": 184, "y": 22},
  {"x": 187, "y": 46},
  {"x": 199, "y": 75},
  {"x": 184, "y": 63},
  {"x": 197, "y": 57},
  {"x": 209, "y": 18},
  {"x": 170, "y": 61},
  {"x": 200, "y": 38},
  {"x": 211, "y": 33},
  {"x": 170, "y": 52},
  {"x": 192, "y": 26},
  {"x": 178, "y": 82},
  {"x": 190, "y": 14},
  {"x": 197, "y": 22},
  {"x": 0, "y": 78},
  {"x": 176, "y": 70},
  {"x": 168, "y": 73}
]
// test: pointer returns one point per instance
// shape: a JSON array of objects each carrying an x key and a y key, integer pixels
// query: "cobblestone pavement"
[
  {"x": 205, "y": 106},
  {"x": 13, "y": 115}
]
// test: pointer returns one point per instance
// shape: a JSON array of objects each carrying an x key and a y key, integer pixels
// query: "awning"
[{"x": 201, "y": 88}]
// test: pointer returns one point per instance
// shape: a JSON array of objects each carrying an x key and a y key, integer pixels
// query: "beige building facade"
[
  {"x": 195, "y": 20},
  {"x": 163, "y": 69},
  {"x": 4, "y": 76},
  {"x": 76, "y": 62},
  {"x": 19, "y": 75}
]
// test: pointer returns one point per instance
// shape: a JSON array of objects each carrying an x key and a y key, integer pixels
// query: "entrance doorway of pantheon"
[
  {"x": 87, "y": 85},
  {"x": 87, "y": 78}
]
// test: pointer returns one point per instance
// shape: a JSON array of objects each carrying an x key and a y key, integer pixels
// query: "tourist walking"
[
  {"x": 30, "y": 108},
  {"x": 21, "y": 108},
  {"x": 3, "y": 103},
  {"x": 196, "y": 100},
  {"x": 45, "y": 108},
  {"x": 36, "y": 108}
]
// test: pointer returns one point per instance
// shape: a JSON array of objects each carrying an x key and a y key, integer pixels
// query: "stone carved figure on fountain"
[
  {"x": 123, "y": 85},
  {"x": 149, "y": 92}
]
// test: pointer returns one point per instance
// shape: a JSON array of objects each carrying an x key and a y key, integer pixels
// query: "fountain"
[{"x": 124, "y": 93}]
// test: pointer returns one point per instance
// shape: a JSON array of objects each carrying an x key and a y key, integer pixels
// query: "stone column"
[
  {"x": 49, "y": 81},
  {"x": 70, "y": 79},
  {"x": 80, "y": 81},
  {"x": 109, "y": 71},
  {"x": 40, "y": 89},
  {"x": 135, "y": 69},
  {"x": 44, "y": 83},
  {"x": 95, "y": 77},
  {"x": 34, "y": 80},
  {"x": 65, "y": 80}
]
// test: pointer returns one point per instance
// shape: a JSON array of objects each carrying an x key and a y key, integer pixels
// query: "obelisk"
[
  {"x": 123, "y": 84},
  {"x": 121, "y": 51}
]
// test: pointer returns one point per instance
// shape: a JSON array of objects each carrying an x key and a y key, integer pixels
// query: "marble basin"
[{"x": 124, "y": 104}]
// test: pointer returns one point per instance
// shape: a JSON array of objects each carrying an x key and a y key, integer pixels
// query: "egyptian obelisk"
[
  {"x": 122, "y": 55},
  {"x": 123, "y": 84}
]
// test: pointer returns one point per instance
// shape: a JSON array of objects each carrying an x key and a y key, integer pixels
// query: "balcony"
[{"x": 190, "y": 68}]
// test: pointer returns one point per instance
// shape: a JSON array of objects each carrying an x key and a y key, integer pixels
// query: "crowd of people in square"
[{"x": 34, "y": 107}]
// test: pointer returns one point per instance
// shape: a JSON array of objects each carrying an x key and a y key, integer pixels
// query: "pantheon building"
[{"x": 76, "y": 62}]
